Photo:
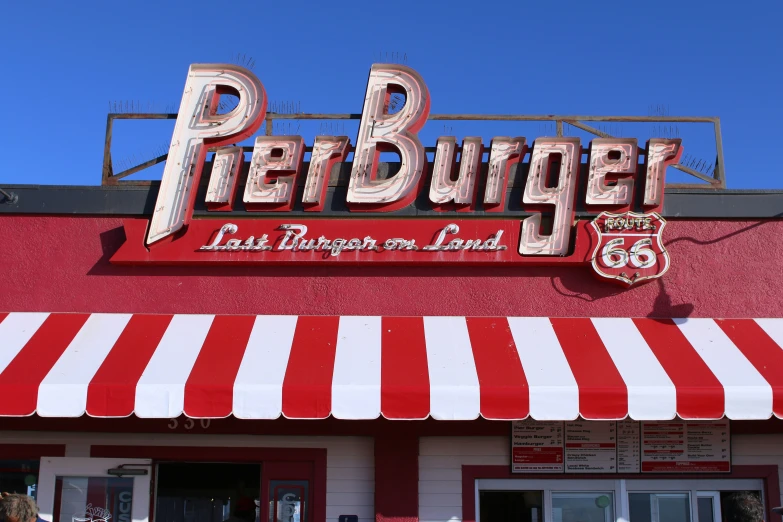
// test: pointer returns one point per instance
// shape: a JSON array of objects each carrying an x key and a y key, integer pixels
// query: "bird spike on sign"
[{"x": 532, "y": 225}]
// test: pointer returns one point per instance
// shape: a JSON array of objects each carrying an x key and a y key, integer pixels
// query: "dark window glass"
[
  {"x": 511, "y": 506},
  {"x": 19, "y": 476},
  {"x": 207, "y": 492}
]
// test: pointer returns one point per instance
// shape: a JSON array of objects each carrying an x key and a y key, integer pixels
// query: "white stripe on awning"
[
  {"x": 554, "y": 394},
  {"x": 651, "y": 393},
  {"x": 160, "y": 392}
]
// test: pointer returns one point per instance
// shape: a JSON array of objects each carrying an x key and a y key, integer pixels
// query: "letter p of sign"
[
  {"x": 198, "y": 127},
  {"x": 380, "y": 131}
]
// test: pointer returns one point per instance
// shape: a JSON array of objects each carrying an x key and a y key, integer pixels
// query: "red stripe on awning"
[
  {"x": 502, "y": 382},
  {"x": 3, "y": 316},
  {"x": 405, "y": 380},
  {"x": 20, "y": 380},
  {"x": 209, "y": 390},
  {"x": 699, "y": 393},
  {"x": 307, "y": 387},
  {"x": 762, "y": 352},
  {"x": 602, "y": 391},
  {"x": 112, "y": 391}
]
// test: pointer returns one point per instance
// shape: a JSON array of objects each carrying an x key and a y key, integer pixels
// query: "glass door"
[
  {"x": 660, "y": 507},
  {"x": 94, "y": 490},
  {"x": 287, "y": 489}
]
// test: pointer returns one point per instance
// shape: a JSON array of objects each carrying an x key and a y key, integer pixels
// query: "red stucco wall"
[{"x": 60, "y": 264}]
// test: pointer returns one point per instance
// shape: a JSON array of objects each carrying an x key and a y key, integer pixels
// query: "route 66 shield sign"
[{"x": 628, "y": 248}]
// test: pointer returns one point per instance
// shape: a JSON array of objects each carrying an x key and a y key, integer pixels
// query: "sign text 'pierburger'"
[{"x": 621, "y": 245}]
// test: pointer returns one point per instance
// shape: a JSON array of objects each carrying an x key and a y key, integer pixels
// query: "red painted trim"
[
  {"x": 769, "y": 474},
  {"x": 206, "y": 453},
  {"x": 31, "y": 451},
  {"x": 319, "y": 486},
  {"x": 397, "y": 479},
  {"x": 315, "y": 508}
]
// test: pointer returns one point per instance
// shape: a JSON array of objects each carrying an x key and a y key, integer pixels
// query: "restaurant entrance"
[{"x": 122, "y": 490}]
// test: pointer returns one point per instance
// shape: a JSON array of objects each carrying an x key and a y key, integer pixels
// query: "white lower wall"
[
  {"x": 441, "y": 460},
  {"x": 440, "y": 471},
  {"x": 350, "y": 461}
]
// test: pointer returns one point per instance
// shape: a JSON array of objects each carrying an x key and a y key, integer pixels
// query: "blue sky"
[{"x": 66, "y": 63}]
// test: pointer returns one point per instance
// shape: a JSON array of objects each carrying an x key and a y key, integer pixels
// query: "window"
[
  {"x": 19, "y": 476},
  {"x": 583, "y": 507},
  {"x": 633, "y": 500},
  {"x": 660, "y": 507},
  {"x": 208, "y": 492},
  {"x": 520, "y": 506}
]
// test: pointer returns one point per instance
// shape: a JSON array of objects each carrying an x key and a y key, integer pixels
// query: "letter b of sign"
[{"x": 381, "y": 132}]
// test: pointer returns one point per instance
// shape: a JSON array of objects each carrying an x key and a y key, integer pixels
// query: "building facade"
[{"x": 457, "y": 354}]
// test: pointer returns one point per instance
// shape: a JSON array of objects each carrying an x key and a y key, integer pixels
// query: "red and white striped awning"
[{"x": 262, "y": 367}]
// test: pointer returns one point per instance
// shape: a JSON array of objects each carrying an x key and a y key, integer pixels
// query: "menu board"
[
  {"x": 536, "y": 447},
  {"x": 628, "y": 447},
  {"x": 590, "y": 447},
  {"x": 621, "y": 447},
  {"x": 692, "y": 447}
]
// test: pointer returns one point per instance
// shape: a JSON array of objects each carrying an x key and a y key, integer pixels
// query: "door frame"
[
  {"x": 717, "y": 512},
  {"x": 88, "y": 467}
]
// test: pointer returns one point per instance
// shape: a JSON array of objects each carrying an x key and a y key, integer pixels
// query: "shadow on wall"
[
  {"x": 662, "y": 306},
  {"x": 727, "y": 236}
]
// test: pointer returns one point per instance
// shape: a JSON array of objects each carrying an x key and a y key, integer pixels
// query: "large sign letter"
[
  {"x": 461, "y": 192},
  {"x": 198, "y": 127},
  {"x": 660, "y": 154},
  {"x": 226, "y": 166},
  {"x": 503, "y": 153},
  {"x": 625, "y": 163},
  {"x": 327, "y": 151},
  {"x": 380, "y": 131},
  {"x": 278, "y": 156},
  {"x": 541, "y": 190}
]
